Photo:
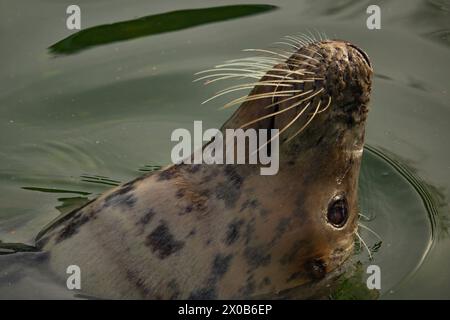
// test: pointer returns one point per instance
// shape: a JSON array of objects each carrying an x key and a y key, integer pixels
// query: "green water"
[{"x": 80, "y": 112}]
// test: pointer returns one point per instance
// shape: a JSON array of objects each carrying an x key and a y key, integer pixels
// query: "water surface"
[{"x": 83, "y": 116}]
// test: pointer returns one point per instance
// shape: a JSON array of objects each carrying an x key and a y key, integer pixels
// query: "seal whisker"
[
  {"x": 273, "y": 104},
  {"x": 254, "y": 73},
  {"x": 298, "y": 40},
  {"x": 305, "y": 38},
  {"x": 294, "y": 40},
  {"x": 304, "y": 45},
  {"x": 266, "y": 51},
  {"x": 300, "y": 72},
  {"x": 272, "y": 114},
  {"x": 305, "y": 56},
  {"x": 257, "y": 58},
  {"x": 227, "y": 76},
  {"x": 315, "y": 34},
  {"x": 301, "y": 38},
  {"x": 364, "y": 216},
  {"x": 306, "y": 124},
  {"x": 256, "y": 65},
  {"x": 284, "y": 128},
  {"x": 311, "y": 36},
  {"x": 243, "y": 87},
  {"x": 326, "y": 107},
  {"x": 268, "y": 60},
  {"x": 260, "y": 83},
  {"x": 365, "y": 245},
  {"x": 250, "y": 63},
  {"x": 308, "y": 40},
  {"x": 288, "y": 44},
  {"x": 282, "y": 83},
  {"x": 318, "y": 34},
  {"x": 229, "y": 69},
  {"x": 370, "y": 230},
  {"x": 294, "y": 97},
  {"x": 259, "y": 96}
]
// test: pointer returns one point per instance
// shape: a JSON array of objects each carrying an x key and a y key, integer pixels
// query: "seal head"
[{"x": 322, "y": 123}]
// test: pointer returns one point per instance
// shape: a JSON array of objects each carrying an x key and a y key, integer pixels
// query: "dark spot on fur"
[
  {"x": 139, "y": 283},
  {"x": 127, "y": 187},
  {"x": 281, "y": 228},
  {"x": 220, "y": 266},
  {"x": 293, "y": 252},
  {"x": 179, "y": 194},
  {"x": 130, "y": 200},
  {"x": 229, "y": 191},
  {"x": 145, "y": 219},
  {"x": 173, "y": 289},
  {"x": 188, "y": 209},
  {"x": 191, "y": 233},
  {"x": 203, "y": 294},
  {"x": 162, "y": 241},
  {"x": 300, "y": 212},
  {"x": 249, "y": 287},
  {"x": 72, "y": 226},
  {"x": 263, "y": 212},
  {"x": 257, "y": 257},
  {"x": 193, "y": 168},
  {"x": 249, "y": 204},
  {"x": 232, "y": 234},
  {"x": 294, "y": 276},
  {"x": 168, "y": 173},
  {"x": 249, "y": 230},
  {"x": 122, "y": 196},
  {"x": 124, "y": 189},
  {"x": 133, "y": 183},
  {"x": 233, "y": 176},
  {"x": 265, "y": 282},
  {"x": 227, "y": 194}
]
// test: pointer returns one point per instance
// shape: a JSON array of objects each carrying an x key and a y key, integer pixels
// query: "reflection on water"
[
  {"x": 433, "y": 198},
  {"x": 151, "y": 25},
  {"x": 100, "y": 180},
  {"x": 50, "y": 190}
]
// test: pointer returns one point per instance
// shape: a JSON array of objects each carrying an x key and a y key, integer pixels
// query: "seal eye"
[{"x": 337, "y": 212}]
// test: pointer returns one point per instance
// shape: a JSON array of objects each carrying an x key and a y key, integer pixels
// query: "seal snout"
[{"x": 362, "y": 53}]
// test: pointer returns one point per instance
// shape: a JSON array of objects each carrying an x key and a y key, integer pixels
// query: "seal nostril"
[
  {"x": 363, "y": 54},
  {"x": 317, "y": 268}
]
